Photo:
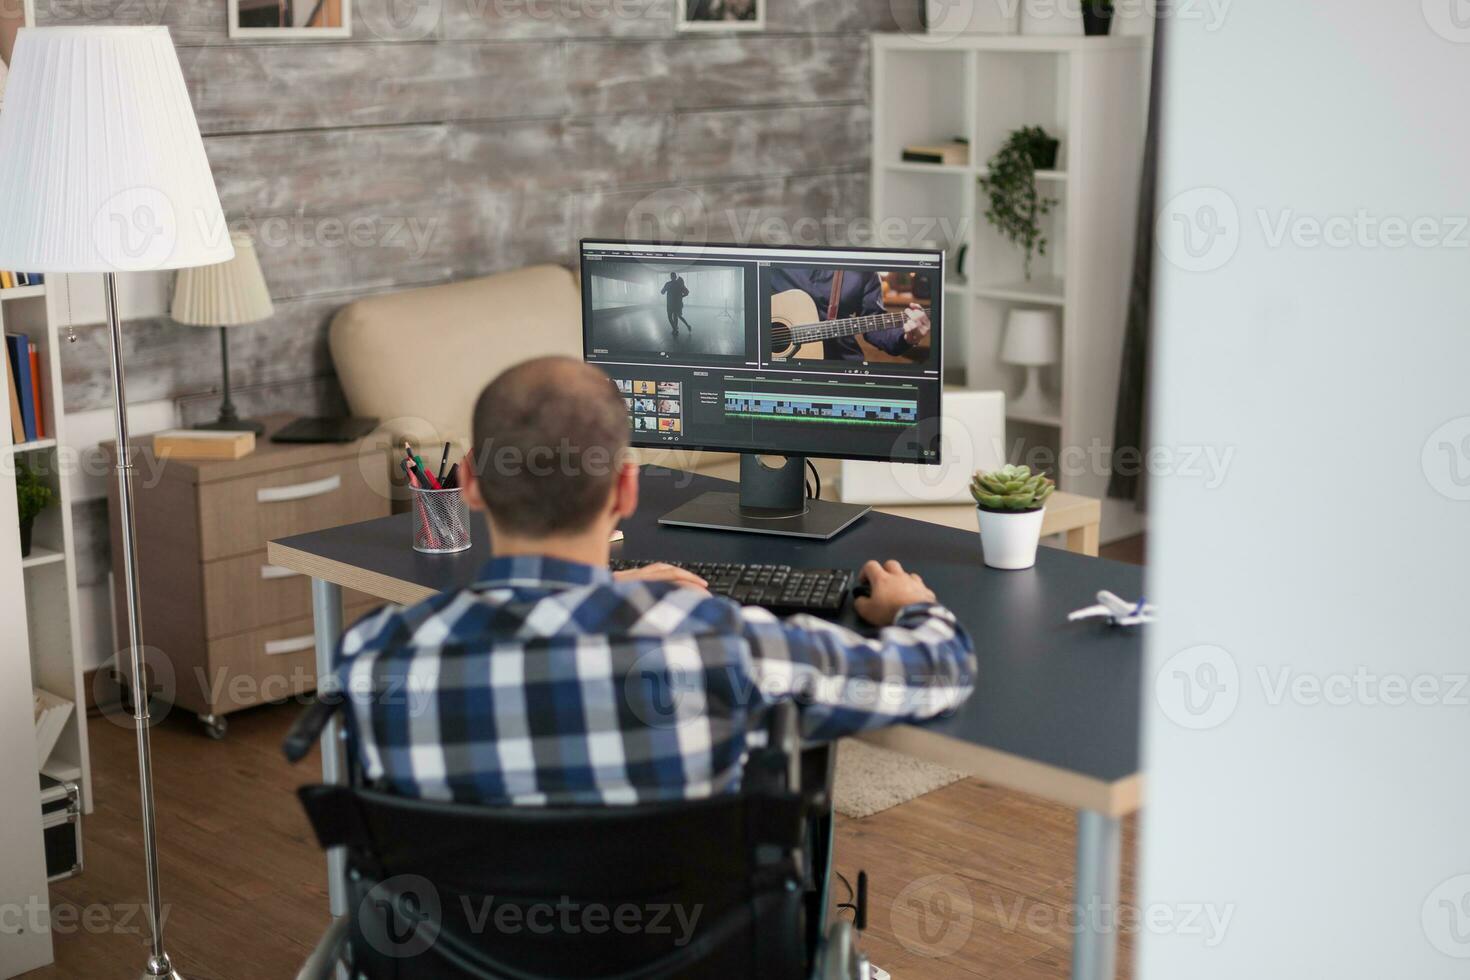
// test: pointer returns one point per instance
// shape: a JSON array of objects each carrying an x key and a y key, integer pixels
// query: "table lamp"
[
  {"x": 225, "y": 295},
  {"x": 102, "y": 170},
  {"x": 1032, "y": 341}
]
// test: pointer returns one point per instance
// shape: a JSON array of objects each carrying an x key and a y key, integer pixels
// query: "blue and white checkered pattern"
[{"x": 547, "y": 682}]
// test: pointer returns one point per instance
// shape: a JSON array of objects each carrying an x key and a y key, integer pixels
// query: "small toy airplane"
[{"x": 1119, "y": 612}]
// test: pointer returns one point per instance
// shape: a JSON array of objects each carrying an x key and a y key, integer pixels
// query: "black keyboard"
[{"x": 779, "y": 588}]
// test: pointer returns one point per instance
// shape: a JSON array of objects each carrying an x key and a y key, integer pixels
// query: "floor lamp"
[{"x": 102, "y": 170}]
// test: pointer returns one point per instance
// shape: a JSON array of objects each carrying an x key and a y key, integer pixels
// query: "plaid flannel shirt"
[{"x": 547, "y": 682}]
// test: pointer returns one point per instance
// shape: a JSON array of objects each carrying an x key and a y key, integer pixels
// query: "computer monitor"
[{"x": 792, "y": 352}]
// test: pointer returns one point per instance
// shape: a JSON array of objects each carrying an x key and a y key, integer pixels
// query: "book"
[
  {"x": 18, "y": 346},
  {"x": 17, "y": 423},
  {"x": 7, "y": 281},
  {"x": 203, "y": 444},
  {"x": 954, "y": 153},
  {"x": 51, "y": 713},
  {"x": 36, "y": 392}
]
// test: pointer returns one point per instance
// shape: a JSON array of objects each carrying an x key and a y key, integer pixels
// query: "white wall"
[{"x": 1329, "y": 821}]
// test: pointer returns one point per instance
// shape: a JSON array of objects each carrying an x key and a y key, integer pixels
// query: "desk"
[{"x": 1056, "y": 706}]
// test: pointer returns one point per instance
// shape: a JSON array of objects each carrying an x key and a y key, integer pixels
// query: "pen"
[
  {"x": 452, "y": 480},
  {"x": 444, "y": 460}
]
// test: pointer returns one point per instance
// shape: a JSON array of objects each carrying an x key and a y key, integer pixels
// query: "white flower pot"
[{"x": 1009, "y": 540}]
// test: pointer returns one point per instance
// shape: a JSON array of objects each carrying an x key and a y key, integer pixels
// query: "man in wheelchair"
[{"x": 566, "y": 696}]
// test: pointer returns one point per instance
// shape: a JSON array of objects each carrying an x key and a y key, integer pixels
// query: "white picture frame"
[
  {"x": 335, "y": 31},
  {"x": 688, "y": 16}
]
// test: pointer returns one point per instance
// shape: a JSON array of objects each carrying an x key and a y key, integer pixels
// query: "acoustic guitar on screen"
[{"x": 797, "y": 330}]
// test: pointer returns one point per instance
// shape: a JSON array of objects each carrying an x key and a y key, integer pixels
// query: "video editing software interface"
[{"x": 817, "y": 352}]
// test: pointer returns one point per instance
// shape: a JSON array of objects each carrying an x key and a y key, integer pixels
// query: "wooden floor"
[{"x": 969, "y": 881}]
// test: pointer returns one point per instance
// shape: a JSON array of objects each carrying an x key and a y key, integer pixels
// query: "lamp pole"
[{"x": 158, "y": 962}]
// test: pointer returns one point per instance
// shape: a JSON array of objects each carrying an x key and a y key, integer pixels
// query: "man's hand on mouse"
[{"x": 890, "y": 588}]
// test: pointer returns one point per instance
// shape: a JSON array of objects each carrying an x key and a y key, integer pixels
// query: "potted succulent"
[
  {"x": 1097, "y": 17},
  {"x": 1010, "y": 502},
  {"x": 32, "y": 497},
  {"x": 1015, "y": 207}
]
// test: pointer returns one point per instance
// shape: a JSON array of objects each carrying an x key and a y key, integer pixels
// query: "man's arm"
[{"x": 920, "y": 665}]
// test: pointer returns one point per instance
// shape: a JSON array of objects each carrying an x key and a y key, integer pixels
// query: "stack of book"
[
  {"x": 14, "y": 280},
  {"x": 23, "y": 378}
]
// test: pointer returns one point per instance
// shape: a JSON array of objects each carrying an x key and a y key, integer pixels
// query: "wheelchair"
[{"x": 730, "y": 886}]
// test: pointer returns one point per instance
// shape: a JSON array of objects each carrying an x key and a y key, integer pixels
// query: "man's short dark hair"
[{"x": 550, "y": 437}]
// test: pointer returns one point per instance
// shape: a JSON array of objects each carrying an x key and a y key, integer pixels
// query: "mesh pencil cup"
[{"x": 441, "y": 521}]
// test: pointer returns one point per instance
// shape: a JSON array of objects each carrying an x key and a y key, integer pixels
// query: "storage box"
[{"x": 61, "y": 827}]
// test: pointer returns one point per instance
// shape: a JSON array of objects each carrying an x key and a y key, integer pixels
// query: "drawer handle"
[
  {"x": 276, "y": 648},
  {"x": 276, "y": 571},
  {"x": 299, "y": 491}
]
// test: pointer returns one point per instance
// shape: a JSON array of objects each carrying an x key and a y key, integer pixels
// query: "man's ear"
[
  {"x": 469, "y": 487},
  {"x": 625, "y": 490}
]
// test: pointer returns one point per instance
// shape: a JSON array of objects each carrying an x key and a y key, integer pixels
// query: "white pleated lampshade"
[
  {"x": 225, "y": 294},
  {"x": 101, "y": 164},
  {"x": 1032, "y": 338}
]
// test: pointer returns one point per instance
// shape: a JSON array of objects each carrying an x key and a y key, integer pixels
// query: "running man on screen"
[
  {"x": 674, "y": 292},
  {"x": 861, "y": 295}
]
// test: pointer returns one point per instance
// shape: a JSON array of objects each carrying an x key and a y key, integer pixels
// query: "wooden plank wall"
[{"x": 456, "y": 138}]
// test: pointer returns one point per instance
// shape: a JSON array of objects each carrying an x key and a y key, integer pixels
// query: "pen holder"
[{"x": 441, "y": 521}]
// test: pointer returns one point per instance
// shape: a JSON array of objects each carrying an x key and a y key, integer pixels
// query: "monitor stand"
[{"x": 772, "y": 500}]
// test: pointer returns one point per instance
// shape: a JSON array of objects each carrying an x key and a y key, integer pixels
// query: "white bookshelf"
[
  {"x": 1088, "y": 92},
  {"x": 38, "y": 610},
  {"x": 49, "y": 573}
]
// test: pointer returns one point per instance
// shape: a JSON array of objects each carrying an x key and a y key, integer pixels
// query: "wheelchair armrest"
[
  {"x": 307, "y": 729},
  {"x": 322, "y": 963},
  {"x": 838, "y": 957}
]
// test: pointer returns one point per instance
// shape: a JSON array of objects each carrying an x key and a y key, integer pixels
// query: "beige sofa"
[{"x": 418, "y": 359}]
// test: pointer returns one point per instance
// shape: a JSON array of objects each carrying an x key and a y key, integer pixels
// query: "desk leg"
[
  {"x": 1084, "y": 540},
  {"x": 326, "y": 611},
  {"x": 1099, "y": 849}
]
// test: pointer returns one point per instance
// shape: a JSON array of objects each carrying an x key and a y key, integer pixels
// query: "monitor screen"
[{"x": 790, "y": 351}]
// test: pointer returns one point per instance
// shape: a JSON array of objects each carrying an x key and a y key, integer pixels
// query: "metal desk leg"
[
  {"x": 326, "y": 612},
  {"x": 1099, "y": 849}
]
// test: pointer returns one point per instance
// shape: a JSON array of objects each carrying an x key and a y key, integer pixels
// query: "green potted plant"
[
  {"x": 1015, "y": 207},
  {"x": 32, "y": 497},
  {"x": 1010, "y": 502},
  {"x": 1097, "y": 17}
]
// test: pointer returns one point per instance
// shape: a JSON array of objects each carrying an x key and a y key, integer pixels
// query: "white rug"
[{"x": 869, "y": 779}]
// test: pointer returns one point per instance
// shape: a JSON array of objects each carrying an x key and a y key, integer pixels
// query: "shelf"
[
  {"x": 954, "y": 169},
  {"x": 1053, "y": 176},
  {"x": 907, "y": 167},
  {"x": 1047, "y": 290},
  {"x": 1020, "y": 43},
  {"x": 23, "y": 292},
  {"x": 30, "y": 447},
  {"x": 62, "y": 772},
  {"x": 42, "y": 556}
]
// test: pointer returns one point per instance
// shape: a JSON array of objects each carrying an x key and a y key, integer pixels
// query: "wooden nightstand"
[{"x": 225, "y": 629}]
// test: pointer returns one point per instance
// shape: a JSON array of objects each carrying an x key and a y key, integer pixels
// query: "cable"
[
  {"x": 815, "y": 476},
  {"x": 851, "y": 895}
]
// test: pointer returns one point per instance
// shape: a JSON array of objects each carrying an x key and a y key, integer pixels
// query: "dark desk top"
[{"x": 1056, "y": 705}]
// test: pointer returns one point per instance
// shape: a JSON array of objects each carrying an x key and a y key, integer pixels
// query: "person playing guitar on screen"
[{"x": 859, "y": 293}]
